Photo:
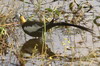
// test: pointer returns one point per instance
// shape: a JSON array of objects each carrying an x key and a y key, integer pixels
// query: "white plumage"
[{"x": 32, "y": 28}]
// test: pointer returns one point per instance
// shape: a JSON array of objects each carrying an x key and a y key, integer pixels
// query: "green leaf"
[
  {"x": 95, "y": 20},
  {"x": 2, "y": 31},
  {"x": 22, "y": 0},
  {"x": 27, "y": 2},
  {"x": 71, "y": 6},
  {"x": 49, "y": 9},
  {"x": 57, "y": 12}
]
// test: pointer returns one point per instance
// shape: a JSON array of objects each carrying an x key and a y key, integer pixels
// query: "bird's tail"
[{"x": 50, "y": 25}]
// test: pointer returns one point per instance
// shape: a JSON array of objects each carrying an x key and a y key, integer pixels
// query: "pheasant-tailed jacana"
[{"x": 35, "y": 29}]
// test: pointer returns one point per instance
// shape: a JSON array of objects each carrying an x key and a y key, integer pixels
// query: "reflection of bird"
[
  {"x": 34, "y": 28},
  {"x": 35, "y": 46}
]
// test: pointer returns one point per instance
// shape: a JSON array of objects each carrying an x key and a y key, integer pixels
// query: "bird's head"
[{"x": 21, "y": 18}]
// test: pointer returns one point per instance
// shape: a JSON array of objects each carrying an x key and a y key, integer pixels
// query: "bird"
[{"x": 35, "y": 28}]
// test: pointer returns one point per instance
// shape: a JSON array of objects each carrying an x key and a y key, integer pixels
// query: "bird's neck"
[{"x": 22, "y": 19}]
